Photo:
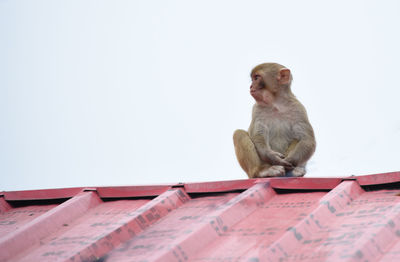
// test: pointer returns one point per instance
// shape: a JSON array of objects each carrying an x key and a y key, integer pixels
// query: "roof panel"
[
  {"x": 99, "y": 222},
  {"x": 276, "y": 219},
  {"x": 365, "y": 228},
  {"x": 262, "y": 227},
  {"x": 17, "y": 217},
  {"x": 192, "y": 222}
]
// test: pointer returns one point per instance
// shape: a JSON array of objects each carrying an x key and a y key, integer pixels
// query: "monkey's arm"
[
  {"x": 259, "y": 135},
  {"x": 301, "y": 152}
]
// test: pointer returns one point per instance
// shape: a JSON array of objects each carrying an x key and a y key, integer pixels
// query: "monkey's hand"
[
  {"x": 292, "y": 161},
  {"x": 276, "y": 158}
]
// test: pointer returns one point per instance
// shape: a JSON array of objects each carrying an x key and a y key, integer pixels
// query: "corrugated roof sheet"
[{"x": 272, "y": 219}]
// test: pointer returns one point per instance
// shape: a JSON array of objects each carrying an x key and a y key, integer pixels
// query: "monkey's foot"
[
  {"x": 272, "y": 171},
  {"x": 298, "y": 171}
]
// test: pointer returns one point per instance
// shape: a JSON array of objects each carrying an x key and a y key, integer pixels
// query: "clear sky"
[{"x": 103, "y": 93}]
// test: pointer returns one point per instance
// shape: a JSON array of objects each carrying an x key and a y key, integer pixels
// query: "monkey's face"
[{"x": 259, "y": 88}]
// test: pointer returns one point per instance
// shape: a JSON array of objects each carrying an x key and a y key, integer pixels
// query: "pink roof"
[{"x": 277, "y": 219}]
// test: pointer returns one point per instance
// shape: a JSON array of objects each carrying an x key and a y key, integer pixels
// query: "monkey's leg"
[
  {"x": 291, "y": 147},
  {"x": 297, "y": 171},
  {"x": 246, "y": 153}
]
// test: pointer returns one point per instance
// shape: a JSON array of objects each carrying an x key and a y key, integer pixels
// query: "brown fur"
[{"x": 280, "y": 137}]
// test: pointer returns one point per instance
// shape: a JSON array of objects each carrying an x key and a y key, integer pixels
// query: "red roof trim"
[
  {"x": 221, "y": 186},
  {"x": 384, "y": 178},
  {"x": 303, "y": 183},
  {"x": 131, "y": 191},
  {"x": 42, "y": 194}
]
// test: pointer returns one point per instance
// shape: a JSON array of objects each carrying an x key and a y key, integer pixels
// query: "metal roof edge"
[
  {"x": 132, "y": 191},
  {"x": 39, "y": 194},
  {"x": 304, "y": 183},
  {"x": 295, "y": 183},
  {"x": 219, "y": 186},
  {"x": 377, "y": 179}
]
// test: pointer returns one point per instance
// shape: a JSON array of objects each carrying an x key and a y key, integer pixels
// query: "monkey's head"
[{"x": 270, "y": 80}]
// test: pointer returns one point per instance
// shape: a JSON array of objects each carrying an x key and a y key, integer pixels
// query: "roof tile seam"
[{"x": 4, "y": 205}]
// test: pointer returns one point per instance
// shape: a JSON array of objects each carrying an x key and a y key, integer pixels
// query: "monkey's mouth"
[{"x": 253, "y": 91}]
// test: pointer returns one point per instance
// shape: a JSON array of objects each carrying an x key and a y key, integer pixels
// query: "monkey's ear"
[{"x": 284, "y": 76}]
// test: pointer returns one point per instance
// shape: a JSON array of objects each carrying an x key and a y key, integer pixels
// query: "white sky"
[{"x": 97, "y": 93}]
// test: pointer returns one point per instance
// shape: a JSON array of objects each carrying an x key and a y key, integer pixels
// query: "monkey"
[{"x": 280, "y": 139}]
